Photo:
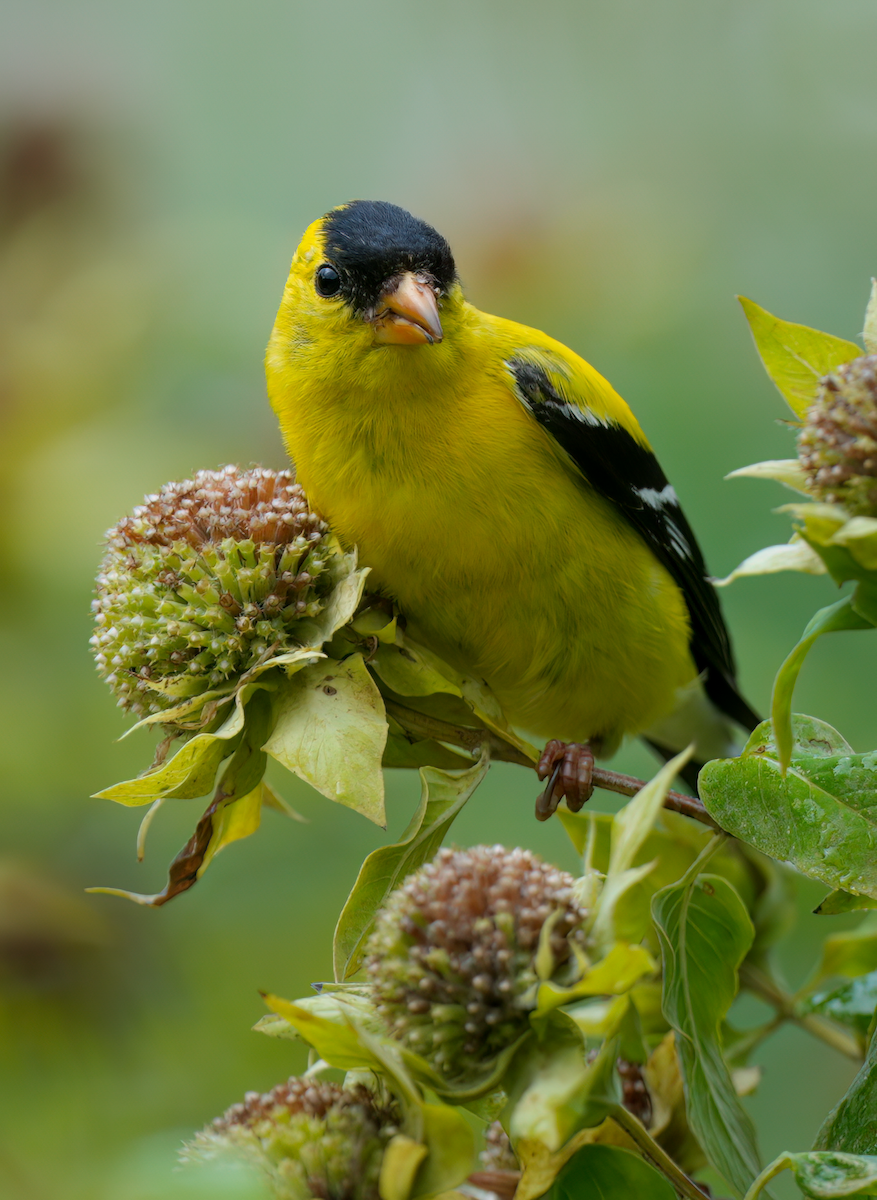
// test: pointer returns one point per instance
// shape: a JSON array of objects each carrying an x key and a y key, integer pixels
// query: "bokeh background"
[{"x": 612, "y": 172}]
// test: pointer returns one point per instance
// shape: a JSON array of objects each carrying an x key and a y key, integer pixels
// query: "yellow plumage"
[{"x": 471, "y": 515}]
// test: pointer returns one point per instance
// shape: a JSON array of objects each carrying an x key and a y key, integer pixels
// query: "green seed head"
[
  {"x": 206, "y": 578},
  {"x": 312, "y": 1140},
  {"x": 453, "y": 954},
  {"x": 838, "y": 444}
]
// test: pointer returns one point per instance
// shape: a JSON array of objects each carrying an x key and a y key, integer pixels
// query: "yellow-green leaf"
[
  {"x": 233, "y": 822},
  {"x": 408, "y": 674},
  {"x": 836, "y": 617},
  {"x": 795, "y": 356},
  {"x": 787, "y": 471},
  {"x": 622, "y": 967},
  {"x": 795, "y": 555},
  {"x": 442, "y": 799},
  {"x": 451, "y": 1151},
  {"x": 188, "y": 774},
  {"x": 555, "y": 1091},
  {"x": 399, "y": 1165},
  {"x": 869, "y": 333},
  {"x": 631, "y": 827},
  {"x": 337, "y": 1042},
  {"x": 331, "y": 729}
]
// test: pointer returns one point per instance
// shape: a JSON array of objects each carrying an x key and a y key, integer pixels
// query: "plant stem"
[
  {"x": 653, "y": 1152},
  {"x": 425, "y": 726},
  {"x": 762, "y": 985},
  {"x": 771, "y": 1170}
]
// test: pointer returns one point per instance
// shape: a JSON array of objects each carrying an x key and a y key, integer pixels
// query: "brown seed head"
[
  {"x": 837, "y": 446},
  {"x": 452, "y": 956},
  {"x": 204, "y": 579}
]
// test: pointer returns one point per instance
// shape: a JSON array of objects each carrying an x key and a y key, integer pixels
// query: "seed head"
[
  {"x": 313, "y": 1140},
  {"x": 452, "y": 956},
  {"x": 203, "y": 579},
  {"x": 838, "y": 444}
]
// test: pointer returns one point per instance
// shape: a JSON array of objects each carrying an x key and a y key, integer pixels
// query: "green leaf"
[
  {"x": 337, "y": 1041},
  {"x": 483, "y": 1087},
  {"x": 451, "y": 1151},
  {"x": 343, "y": 600},
  {"x": 233, "y": 821},
  {"x": 631, "y": 827},
  {"x": 622, "y": 967},
  {"x": 829, "y": 1174},
  {"x": 399, "y": 1165},
  {"x": 851, "y": 1127},
  {"x": 838, "y": 902},
  {"x": 670, "y": 849},
  {"x": 859, "y": 535},
  {"x": 852, "y": 1005},
  {"x": 787, "y": 471},
  {"x": 609, "y": 1173},
  {"x": 796, "y": 555},
  {"x": 869, "y": 333},
  {"x": 202, "y": 707},
  {"x": 191, "y": 771},
  {"x": 823, "y": 1175},
  {"x": 633, "y": 823},
  {"x": 821, "y": 815},
  {"x": 851, "y": 953},
  {"x": 407, "y": 674},
  {"x": 795, "y": 356},
  {"x": 705, "y": 934},
  {"x": 401, "y": 751},
  {"x": 553, "y": 1091},
  {"x": 234, "y": 812},
  {"x": 343, "y": 1042},
  {"x": 330, "y": 730},
  {"x": 375, "y": 622},
  {"x": 441, "y": 801},
  {"x": 476, "y": 696},
  {"x": 832, "y": 619}
]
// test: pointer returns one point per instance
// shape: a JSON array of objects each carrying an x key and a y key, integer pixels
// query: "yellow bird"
[{"x": 503, "y": 494}]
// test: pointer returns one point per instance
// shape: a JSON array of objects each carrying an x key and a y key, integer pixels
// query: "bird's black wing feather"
[{"x": 628, "y": 474}]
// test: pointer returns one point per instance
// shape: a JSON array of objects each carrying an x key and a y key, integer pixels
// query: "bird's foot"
[{"x": 569, "y": 768}]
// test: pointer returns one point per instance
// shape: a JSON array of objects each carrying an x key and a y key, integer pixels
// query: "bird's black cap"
[{"x": 370, "y": 241}]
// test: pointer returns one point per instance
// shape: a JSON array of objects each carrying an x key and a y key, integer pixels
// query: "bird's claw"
[{"x": 569, "y": 768}]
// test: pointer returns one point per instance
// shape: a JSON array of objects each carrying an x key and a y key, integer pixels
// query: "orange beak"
[{"x": 409, "y": 316}]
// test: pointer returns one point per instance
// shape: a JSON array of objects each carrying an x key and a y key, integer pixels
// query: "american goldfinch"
[{"x": 503, "y": 495}]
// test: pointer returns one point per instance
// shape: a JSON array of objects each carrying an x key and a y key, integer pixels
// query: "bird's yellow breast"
[{"x": 501, "y": 557}]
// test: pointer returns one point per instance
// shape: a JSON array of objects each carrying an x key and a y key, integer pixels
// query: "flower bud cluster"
[
  {"x": 837, "y": 446},
  {"x": 313, "y": 1140},
  {"x": 453, "y": 955},
  {"x": 203, "y": 580}
]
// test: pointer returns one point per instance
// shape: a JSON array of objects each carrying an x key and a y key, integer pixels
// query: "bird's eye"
[{"x": 328, "y": 281}]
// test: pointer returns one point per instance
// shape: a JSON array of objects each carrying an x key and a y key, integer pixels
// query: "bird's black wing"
[{"x": 627, "y": 473}]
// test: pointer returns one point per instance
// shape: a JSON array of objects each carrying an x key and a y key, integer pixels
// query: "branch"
[
  {"x": 760, "y": 984},
  {"x": 424, "y": 726}
]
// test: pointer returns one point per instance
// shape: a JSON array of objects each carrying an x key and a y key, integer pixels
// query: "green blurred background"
[{"x": 611, "y": 172}]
